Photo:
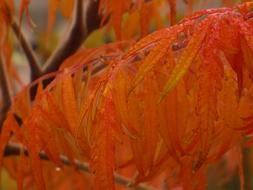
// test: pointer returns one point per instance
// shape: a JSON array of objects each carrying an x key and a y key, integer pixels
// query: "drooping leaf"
[
  {"x": 186, "y": 58},
  {"x": 69, "y": 102},
  {"x": 103, "y": 148}
]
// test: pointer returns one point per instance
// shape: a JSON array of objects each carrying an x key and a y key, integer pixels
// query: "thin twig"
[
  {"x": 13, "y": 149},
  {"x": 85, "y": 20},
  {"x": 30, "y": 55},
  {"x": 6, "y": 92}
]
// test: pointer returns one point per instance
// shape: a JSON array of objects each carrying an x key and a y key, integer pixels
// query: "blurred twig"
[
  {"x": 85, "y": 20},
  {"x": 29, "y": 53},
  {"x": 6, "y": 92},
  {"x": 13, "y": 149}
]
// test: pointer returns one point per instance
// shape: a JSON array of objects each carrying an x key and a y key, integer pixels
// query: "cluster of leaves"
[{"x": 170, "y": 104}]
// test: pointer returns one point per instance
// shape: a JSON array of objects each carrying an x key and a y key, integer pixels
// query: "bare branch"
[
  {"x": 13, "y": 149},
  {"x": 6, "y": 92},
  {"x": 30, "y": 55},
  {"x": 82, "y": 26},
  {"x": 85, "y": 20}
]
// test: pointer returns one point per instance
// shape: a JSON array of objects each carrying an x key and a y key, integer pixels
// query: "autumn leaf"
[{"x": 186, "y": 58}]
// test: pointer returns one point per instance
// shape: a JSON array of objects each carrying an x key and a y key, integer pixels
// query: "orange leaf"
[
  {"x": 103, "y": 148},
  {"x": 69, "y": 102},
  {"x": 186, "y": 58}
]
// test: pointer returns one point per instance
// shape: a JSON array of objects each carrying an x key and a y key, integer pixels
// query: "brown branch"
[
  {"x": 85, "y": 20},
  {"x": 6, "y": 92},
  {"x": 82, "y": 26},
  {"x": 30, "y": 55},
  {"x": 13, "y": 149}
]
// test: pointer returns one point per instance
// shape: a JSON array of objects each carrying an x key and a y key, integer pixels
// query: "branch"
[
  {"x": 82, "y": 26},
  {"x": 13, "y": 149},
  {"x": 30, "y": 55},
  {"x": 85, "y": 20},
  {"x": 6, "y": 92}
]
